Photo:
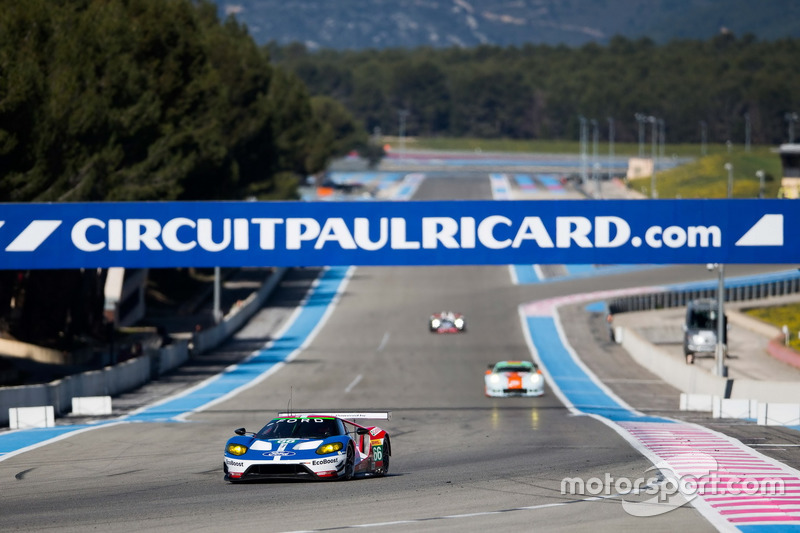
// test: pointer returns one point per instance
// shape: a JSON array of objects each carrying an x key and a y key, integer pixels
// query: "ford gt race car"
[
  {"x": 447, "y": 322},
  {"x": 513, "y": 378},
  {"x": 309, "y": 446}
]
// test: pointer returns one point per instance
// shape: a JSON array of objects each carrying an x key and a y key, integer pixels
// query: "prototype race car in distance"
[
  {"x": 513, "y": 378},
  {"x": 309, "y": 446},
  {"x": 447, "y": 322}
]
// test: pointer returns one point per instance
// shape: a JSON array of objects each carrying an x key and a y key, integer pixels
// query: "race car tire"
[
  {"x": 349, "y": 465},
  {"x": 387, "y": 450}
]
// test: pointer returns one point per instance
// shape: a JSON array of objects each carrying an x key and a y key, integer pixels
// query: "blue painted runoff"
[
  {"x": 525, "y": 274},
  {"x": 579, "y": 389}
]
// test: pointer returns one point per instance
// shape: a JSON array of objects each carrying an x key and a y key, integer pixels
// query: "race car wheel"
[
  {"x": 386, "y": 453},
  {"x": 349, "y": 465}
]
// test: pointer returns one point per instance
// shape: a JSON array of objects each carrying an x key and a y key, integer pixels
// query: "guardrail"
[
  {"x": 135, "y": 372},
  {"x": 741, "y": 289}
]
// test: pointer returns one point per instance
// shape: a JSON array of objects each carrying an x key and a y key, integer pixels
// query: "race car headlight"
[
  {"x": 536, "y": 378},
  {"x": 459, "y": 323},
  {"x": 329, "y": 448},
  {"x": 236, "y": 449},
  {"x": 436, "y": 322},
  {"x": 494, "y": 378}
]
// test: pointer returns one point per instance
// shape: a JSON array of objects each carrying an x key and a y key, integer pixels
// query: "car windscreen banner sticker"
[{"x": 204, "y": 234}]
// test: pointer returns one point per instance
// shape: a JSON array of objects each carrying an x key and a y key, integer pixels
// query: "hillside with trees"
[
  {"x": 540, "y": 91},
  {"x": 379, "y": 24}
]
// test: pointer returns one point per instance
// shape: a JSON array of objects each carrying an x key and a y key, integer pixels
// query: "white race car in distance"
[
  {"x": 513, "y": 378},
  {"x": 447, "y": 322}
]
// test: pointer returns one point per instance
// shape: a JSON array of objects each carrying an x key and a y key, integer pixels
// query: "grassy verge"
[
  {"x": 562, "y": 147},
  {"x": 779, "y": 316},
  {"x": 707, "y": 177}
]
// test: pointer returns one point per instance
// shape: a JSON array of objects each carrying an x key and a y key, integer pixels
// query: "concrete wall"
[
  {"x": 133, "y": 373},
  {"x": 694, "y": 380},
  {"x": 686, "y": 378},
  {"x": 111, "y": 380}
]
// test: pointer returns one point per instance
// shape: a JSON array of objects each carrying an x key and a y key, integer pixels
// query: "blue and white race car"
[{"x": 310, "y": 446}]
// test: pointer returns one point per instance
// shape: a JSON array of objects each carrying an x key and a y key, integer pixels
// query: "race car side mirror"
[
  {"x": 491, "y": 367},
  {"x": 362, "y": 431},
  {"x": 240, "y": 431}
]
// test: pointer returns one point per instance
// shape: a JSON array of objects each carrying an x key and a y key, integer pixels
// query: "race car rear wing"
[{"x": 349, "y": 415}]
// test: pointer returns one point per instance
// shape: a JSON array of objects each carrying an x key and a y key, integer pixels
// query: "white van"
[{"x": 700, "y": 328}]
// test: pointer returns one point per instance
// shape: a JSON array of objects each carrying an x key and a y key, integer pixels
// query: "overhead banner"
[{"x": 205, "y": 234}]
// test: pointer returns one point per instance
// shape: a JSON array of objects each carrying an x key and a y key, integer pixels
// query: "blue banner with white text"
[{"x": 204, "y": 234}]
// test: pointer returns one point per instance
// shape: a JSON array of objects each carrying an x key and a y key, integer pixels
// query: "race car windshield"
[
  {"x": 514, "y": 368},
  {"x": 299, "y": 428}
]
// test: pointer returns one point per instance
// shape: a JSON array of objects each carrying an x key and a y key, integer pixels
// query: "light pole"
[
  {"x": 791, "y": 118},
  {"x": 703, "y": 137},
  {"x": 597, "y": 192},
  {"x": 217, "y": 311},
  {"x": 595, "y": 164},
  {"x": 747, "y": 132},
  {"x": 653, "y": 193},
  {"x": 729, "y": 168},
  {"x": 584, "y": 155},
  {"x": 662, "y": 137},
  {"x": 403, "y": 114},
  {"x": 641, "y": 119},
  {"x": 760, "y": 176},
  {"x": 610, "y": 145},
  {"x": 719, "y": 353}
]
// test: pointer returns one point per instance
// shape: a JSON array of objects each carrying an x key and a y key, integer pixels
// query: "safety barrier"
[
  {"x": 135, "y": 372},
  {"x": 779, "y": 284},
  {"x": 110, "y": 381}
]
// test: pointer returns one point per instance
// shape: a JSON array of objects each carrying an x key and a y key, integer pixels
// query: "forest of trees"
[
  {"x": 540, "y": 91},
  {"x": 122, "y": 100},
  {"x": 151, "y": 100}
]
